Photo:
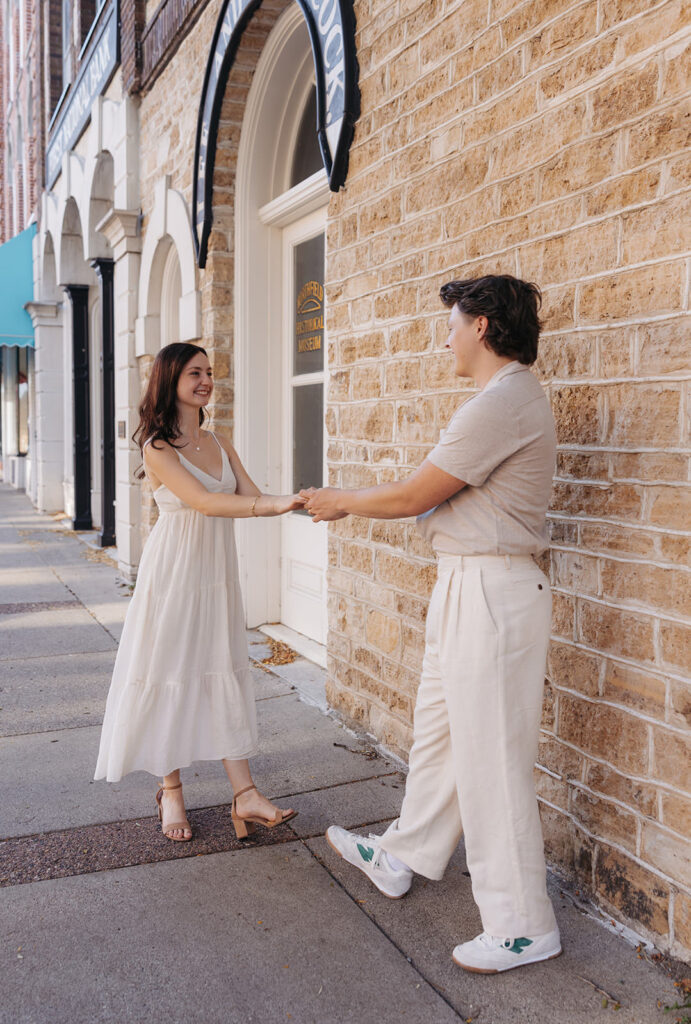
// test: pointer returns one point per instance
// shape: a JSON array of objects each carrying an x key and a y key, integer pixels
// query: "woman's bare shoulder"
[{"x": 157, "y": 452}]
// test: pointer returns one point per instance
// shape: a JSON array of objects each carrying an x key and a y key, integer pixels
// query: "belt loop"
[{"x": 507, "y": 561}]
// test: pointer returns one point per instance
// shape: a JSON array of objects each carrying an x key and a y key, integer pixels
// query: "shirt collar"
[{"x": 513, "y": 367}]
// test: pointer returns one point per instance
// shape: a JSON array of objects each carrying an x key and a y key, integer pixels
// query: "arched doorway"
[{"x": 280, "y": 349}]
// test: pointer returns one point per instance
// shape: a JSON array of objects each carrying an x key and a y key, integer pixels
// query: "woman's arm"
[
  {"x": 424, "y": 489},
  {"x": 166, "y": 467}
]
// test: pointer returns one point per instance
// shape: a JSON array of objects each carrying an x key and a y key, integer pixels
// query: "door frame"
[
  {"x": 263, "y": 207},
  {"x": 301, "y": 230}
]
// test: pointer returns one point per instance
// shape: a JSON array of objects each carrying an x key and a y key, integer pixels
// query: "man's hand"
[{"x": 322, "y": 504}]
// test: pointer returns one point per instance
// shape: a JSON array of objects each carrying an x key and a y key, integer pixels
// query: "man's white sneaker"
[
  {"x": 368, "y": 856},
  {"x": 487, "y": 954}
]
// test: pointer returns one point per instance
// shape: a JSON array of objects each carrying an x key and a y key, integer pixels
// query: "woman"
[{"x": 181, "y": 688}]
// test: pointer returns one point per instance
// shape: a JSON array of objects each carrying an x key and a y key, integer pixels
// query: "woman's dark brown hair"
[
  {"x": 158, "y": 411},
  {"x": 511, "y": 307}
]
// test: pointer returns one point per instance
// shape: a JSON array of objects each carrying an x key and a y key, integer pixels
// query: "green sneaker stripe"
[
  {"x": 519, "y": 945},
  {"x": 366, "y": 852}
]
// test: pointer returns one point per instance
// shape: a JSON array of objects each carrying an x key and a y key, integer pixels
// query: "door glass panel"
[
  {"x": 308, "y": 436},
  {"x": 307, "y": 159},
  {"x": 308, "y": 334}
]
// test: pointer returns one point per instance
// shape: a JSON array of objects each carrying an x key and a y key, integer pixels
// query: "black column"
[
  {"x": 79, "y": 297},
  {"x": 104, "y": 269}
]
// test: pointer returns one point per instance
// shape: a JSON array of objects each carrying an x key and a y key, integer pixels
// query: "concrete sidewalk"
[{"x": 103, "y": 919}]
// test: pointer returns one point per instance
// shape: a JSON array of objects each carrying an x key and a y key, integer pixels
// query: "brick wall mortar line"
[
  {"x": 646, "y": 613},
  {"x": 671, "y": 915},
  {"x": 621, "y": 559},
  {"x": 635, "y": 481},
  {"x": 601, "y": 326},
  {"x": 675, "y": 377},
  {"x": 597, "y": 450}
]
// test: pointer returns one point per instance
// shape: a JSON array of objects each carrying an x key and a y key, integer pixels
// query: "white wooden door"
[{"x": 303, "y": 543}]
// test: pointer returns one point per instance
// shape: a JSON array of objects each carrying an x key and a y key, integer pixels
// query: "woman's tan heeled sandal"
[
  {"x": 176, "y": 825},
  {"x": 245, "y": 826}
]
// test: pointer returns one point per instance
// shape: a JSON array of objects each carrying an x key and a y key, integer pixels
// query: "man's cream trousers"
[{"x": 475, "y": 739}]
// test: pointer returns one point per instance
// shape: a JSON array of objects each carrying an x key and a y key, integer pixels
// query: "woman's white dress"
[{"x": 181, "y": 688}]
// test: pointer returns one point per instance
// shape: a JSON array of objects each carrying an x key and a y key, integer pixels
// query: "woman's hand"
[
  {"x": 323, "y": 504},
  {"x": 282, "y": 503}
]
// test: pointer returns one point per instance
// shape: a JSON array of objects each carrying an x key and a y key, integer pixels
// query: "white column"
[
  {"x": 9, "y": 403},
  {"x": 121, "y": 228},
  {"x": 47, "y": 468}
]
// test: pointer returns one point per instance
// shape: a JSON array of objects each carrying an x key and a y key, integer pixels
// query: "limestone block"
[
  {"x": 642, "y": 691},
  {"x": 667, "y": 852},
  {"x": 604, "y": 732},
  {"x": 616, "y": 631},
  {"x": 671, "y": 758}
]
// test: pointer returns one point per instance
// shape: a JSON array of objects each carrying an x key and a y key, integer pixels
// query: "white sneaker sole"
[
  {"x": 510, "y": 967},
  {"x": 388, "y": 895}
]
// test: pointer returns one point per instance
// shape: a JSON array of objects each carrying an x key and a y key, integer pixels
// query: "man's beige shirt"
[{"x": 502, "y": 444}]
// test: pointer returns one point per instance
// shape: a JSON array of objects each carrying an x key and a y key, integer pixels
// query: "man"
[{"x": 481, "y": 497}]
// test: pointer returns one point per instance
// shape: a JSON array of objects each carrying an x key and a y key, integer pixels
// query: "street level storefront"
[
  {"x": 87, "y": 255},
  {"x": 17, "y": 428}
]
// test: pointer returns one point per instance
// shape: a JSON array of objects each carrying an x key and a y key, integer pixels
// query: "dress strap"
[{"x": 217, "y": 441}]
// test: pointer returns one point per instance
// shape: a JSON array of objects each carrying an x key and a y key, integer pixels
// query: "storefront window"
[{"x": 66, "y": 42}]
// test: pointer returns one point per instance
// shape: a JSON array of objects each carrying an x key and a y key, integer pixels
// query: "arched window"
[
  {"x": 171, "y": 292},
  {"x": 307, "y": 158}
]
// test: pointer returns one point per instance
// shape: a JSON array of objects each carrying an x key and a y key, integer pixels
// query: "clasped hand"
[{"x": 322, "y": 503}]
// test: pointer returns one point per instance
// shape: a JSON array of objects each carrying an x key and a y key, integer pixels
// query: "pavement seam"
[
  {"x": 86, "y": 607},
  {"x": 418, "y": 970}
]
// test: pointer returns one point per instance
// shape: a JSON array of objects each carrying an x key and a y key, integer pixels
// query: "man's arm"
[{"x": 424, "y": 489}]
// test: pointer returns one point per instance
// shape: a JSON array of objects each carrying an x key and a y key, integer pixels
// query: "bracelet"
[{"x": 252, "y": 512}]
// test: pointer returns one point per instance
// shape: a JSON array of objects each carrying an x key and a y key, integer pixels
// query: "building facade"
[
  {"x": 20, "y": 149},
  {"x": 544, "y": 139}
]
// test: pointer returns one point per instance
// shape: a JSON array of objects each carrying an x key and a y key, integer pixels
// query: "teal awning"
[{"x": 16, "y": 288}]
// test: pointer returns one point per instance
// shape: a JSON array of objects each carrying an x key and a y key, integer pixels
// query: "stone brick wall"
[{"x": 549, "y": 139}]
